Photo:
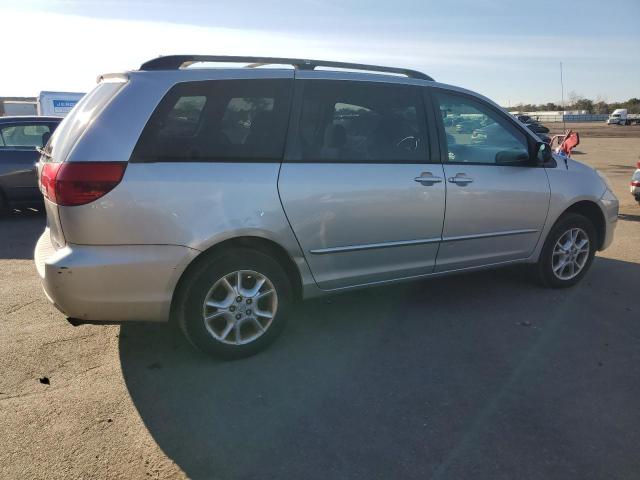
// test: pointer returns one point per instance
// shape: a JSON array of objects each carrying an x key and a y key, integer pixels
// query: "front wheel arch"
[
  {"x": 593, "y": 213},
  {"x": 544, "y": 268}
]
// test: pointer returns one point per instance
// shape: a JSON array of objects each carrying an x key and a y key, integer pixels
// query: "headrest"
[{"x": 335, "y": 136}]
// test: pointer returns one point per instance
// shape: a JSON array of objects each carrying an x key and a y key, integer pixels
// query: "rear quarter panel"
[
  {"x": 173, "y": 203},
  {"x": 192, "y": 204},
  {"x": 196, "y": 205},
  {"x": 187, "y": 204}
]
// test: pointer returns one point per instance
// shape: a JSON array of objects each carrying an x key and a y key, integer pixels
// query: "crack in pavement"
[
  {"x": 61, "y": 340},
  {"x": 15, "y": 308}
]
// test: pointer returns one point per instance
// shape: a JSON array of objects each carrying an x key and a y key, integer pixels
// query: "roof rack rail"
[{"x": 174, "y": 62}]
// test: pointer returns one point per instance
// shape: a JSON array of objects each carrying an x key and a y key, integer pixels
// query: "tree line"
[{"x": 577, "y": 102}]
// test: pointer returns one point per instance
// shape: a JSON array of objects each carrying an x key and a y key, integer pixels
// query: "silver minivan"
[{"x": 216, "y": 197}]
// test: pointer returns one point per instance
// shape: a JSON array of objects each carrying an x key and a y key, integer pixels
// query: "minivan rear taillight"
[{"x": 79, "y": 183}]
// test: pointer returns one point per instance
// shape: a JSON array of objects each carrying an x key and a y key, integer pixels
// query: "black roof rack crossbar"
[{"x": 174, "y": 62}]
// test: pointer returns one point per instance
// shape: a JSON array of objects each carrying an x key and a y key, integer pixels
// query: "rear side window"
[
  {"x": 218, "y": 120},
  {"x": 361, "y": 122},
  {"x": 184, "y": 117},
  {"x": 24, "y": 136}
]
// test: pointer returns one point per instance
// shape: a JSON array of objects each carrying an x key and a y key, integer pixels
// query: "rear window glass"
[
  {"x": 76, "y": 121},
  {"x": 218, "y": 120},
  {"x": 24, "y": 136}
]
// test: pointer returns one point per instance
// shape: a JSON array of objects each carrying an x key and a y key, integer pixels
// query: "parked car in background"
[
  {"x": 450, "y": 120},
  {"x": 536, "y": 127},
  {"x": 465, "y": 126},
  {"x": 541, "y": 133},
  {"x": 523, "y": 118},
  {"x": 218, "y": 196},
  {"x": 19, "y": 139},
  {"x": 493, "y": 133},
  {"x": 544, "y": 137},
  {"x": 532, "y": 124},
  {"x": 635, "y": 183}
]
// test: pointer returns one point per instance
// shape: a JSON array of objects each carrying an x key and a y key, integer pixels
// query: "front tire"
[
  {"x": 568, "y": 252},
  {"x": 235, "y": 303}
]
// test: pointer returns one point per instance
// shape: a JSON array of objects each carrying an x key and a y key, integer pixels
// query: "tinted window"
[
  {"x": 356, "y": 121},
  {"x": 184, "y": 117},
  {"x": 477, "y": 134},
  {"x": 24, "y": 135},
  {"x": 218, "y": 120}
]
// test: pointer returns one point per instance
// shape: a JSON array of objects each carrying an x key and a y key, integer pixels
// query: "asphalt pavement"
[{"x": 485, "y": 375}]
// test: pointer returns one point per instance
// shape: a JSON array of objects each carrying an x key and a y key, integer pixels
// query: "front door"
[
  {"x": 497, "y": 199},
  {"x": 362, "y": 198}
]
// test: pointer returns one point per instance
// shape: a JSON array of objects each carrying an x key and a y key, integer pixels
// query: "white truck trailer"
[
  {"x": 17, "y": 107},
  {"x": 620, "y": 116},
  {"x": 57, "y": 104}
]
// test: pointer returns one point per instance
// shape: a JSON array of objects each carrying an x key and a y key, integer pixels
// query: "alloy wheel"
[
  {"x": 570, "y": 254},
  {"x": 240, "y": 307}
]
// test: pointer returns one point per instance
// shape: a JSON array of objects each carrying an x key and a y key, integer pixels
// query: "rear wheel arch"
[
  {"x": 590, "y": 210},
  {"x": 259, "y": 244}
]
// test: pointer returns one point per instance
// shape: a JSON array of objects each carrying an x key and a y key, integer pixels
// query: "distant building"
[{"x": 18, "y": 106}]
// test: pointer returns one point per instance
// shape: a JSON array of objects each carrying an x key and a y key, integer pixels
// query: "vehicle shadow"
[
  {"x": 19, "y": 232},
  {"x": 622, "y": 168},
  {"x": 451, "y": 377},
  {"x": 629, "y": 217}
]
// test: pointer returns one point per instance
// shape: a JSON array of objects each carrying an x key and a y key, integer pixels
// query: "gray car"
[
  {"x": 20, "y": 137},
  {"x": 216, "y": 197}
]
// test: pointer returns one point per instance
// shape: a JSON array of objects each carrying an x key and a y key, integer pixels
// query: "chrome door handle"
[
  {"x": 427, "y": 178},
  {"x": 460, "y": 179}
]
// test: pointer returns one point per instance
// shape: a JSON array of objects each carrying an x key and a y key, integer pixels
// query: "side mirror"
[{"x": 544, "y": 152}]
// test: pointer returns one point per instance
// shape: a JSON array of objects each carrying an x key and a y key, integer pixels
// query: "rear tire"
[
  {"x": 230, "y": 320},
  {"x": 568, "y": 252}
]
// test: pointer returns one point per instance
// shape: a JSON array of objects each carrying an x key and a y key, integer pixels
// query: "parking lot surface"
[{"x": 485, "y": 375}]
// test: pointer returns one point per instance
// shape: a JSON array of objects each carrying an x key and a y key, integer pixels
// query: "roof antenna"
[{"x": 564, "y": 124}]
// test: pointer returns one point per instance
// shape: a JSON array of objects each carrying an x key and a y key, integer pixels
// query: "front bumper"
[
  {"x": 111, "y": 283},
  {"x": 610, "y": 206},
  {"x": 635, "y": 185}
]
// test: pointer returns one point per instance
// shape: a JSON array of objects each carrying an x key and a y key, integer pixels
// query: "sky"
[{"x": 507, "y": 50}]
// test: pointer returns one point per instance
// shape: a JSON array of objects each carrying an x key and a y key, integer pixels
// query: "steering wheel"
[{"x": 410, "y": 143}]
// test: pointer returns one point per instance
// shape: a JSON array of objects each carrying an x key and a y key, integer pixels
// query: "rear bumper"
[{"x": 114, "y": 283}]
